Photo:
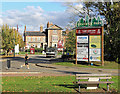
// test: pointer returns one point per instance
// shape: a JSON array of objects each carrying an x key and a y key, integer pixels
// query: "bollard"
[{"x": 8, "y": 63}]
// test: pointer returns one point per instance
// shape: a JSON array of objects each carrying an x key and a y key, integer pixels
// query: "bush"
[
  {"x": 28, "y": 50},
  {"x": 68, "y": 56},
  {"x": 36, "y": 50}
]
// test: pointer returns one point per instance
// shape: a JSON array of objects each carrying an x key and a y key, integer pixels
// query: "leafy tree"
[
  {"x": 6, "y": 38},
  {"x": 10, "y": 37},
  {"x": 111, "y": 13},
  {"x": 70, "y": 43},
  {"x": 78, "y": 10}
]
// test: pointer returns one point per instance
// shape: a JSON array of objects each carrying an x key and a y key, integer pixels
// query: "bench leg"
[
  {"x": 79, "y": 87},
  {"x": 107, "y": 87}
]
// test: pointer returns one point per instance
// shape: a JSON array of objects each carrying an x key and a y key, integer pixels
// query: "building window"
[
  {"x": 43, "y": 39},
  {"x": 54, "y": 31},
  {"x": 38, "y": 38},
  {"x": 54, "y": 38},
  {"x": 28, "y": 38},
  {"x": 33, "y": 38}
]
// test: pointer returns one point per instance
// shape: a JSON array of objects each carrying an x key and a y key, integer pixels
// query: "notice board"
[
  {"x": 89, "y": 39},
  {"x": 82, "y": 48},
  {"x": 89, "y": 44}
]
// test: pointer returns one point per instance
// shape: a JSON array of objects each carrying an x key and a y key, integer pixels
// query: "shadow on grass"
[
  {"x": 70, "y": 86},
  {"x": 76, "y": 88},
  {"x": 83, "y": 63}
]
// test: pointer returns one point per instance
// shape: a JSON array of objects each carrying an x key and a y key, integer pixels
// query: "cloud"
[
  {"x": 32, "y": 8},
  {"x": 59, "y": 18},
  {"x": 33, "y": 17},
  {"x": 74, "y": 8}
]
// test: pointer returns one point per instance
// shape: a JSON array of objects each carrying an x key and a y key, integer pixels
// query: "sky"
[{"x": 34, "y": 14}]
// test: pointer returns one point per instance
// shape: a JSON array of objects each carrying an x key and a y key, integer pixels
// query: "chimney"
[
  {"x": 49, "y": 24},
  {"x": 41, "y": 28},
  {"x": 25, "y": 29}
]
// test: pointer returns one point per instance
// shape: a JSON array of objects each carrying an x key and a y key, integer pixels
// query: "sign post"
[
  {"x": 89, "y": 40},
  {"x": 102, "y": 46},
  {"x": 76, "y": 50}
]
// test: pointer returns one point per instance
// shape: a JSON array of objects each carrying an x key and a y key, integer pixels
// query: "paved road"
[{"x": 42, "y": 66}]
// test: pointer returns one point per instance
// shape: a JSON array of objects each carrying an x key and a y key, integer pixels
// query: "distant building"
[
  {"x": 53, "y": 34},
  {"x": 35, "y": 38},
  {"x": 47, "y": 38}
]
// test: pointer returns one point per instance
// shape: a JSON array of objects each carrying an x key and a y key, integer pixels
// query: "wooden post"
[
  {"x": 76, "y": 48},
  {"x": 102, "y": 46},
  {"x": 88, "y": 50}
]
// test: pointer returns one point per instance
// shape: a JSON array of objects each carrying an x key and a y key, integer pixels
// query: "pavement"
[{"x": 42, "y": 66}]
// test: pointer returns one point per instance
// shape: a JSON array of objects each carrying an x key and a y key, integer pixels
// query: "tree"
[
  {"x": 10, "y": 37},
  {"x": 71, "y": 41},
  {"x": 78, "y": 10},
  {"x": 111, "y": 13},
  {"x": 7, "y": 39}
]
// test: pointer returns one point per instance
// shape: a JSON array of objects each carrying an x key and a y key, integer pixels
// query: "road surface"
[{"x": 42, "y": 66}]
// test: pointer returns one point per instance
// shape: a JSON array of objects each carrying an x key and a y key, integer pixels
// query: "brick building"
[
  {"x": 53, "y": 34},
  {"x": 47, "y": 38},
  {"x": 35, "y": 38}
]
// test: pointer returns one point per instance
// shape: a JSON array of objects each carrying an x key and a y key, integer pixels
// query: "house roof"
[
  {"x": 53, "y": 28},
  {"x": 34, "y": 33}
]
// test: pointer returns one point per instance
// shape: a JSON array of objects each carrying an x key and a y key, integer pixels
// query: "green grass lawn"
[
  {"x": 46, "y": 84},
  {"x": 36, "y": 53},
  {"x": 59, "y": 53},
  {"x": 107, "y": 64}
]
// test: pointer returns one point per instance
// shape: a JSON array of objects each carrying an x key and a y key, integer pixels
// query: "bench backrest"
[
  {"x": 88, "y": 76},
  {"x": 93, "y": 74}
]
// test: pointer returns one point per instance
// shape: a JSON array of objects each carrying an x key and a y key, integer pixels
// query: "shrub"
[
  {"x": 68, "y": 56},
  {"x": 28, "y": 50},
  {"x": 38, "y": 50}
]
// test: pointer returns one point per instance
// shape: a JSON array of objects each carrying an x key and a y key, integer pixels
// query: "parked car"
[{"x": 51, "y": 52}]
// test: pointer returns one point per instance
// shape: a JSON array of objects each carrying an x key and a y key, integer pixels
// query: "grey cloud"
[{"x": 35, "y": 16}]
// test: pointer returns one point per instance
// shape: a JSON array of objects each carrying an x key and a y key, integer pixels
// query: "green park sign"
[
  {"x": 89, "y": 40},
  {"x": 89, "y": 22}
]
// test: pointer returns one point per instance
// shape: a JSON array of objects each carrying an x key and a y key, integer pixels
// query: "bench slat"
[
  {"x": 93, "y": 74},
  {"x": 94, "y": 82},
  {"x": 78, "y": 78}
]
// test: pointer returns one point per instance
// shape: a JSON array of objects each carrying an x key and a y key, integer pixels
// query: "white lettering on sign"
[
  {"x": 95, "y": 31},
  {"x": 98, "y": 31},
  {"x": 82, "y": 48}
]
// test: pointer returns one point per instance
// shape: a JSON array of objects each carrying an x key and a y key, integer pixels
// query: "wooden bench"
[{"x": 93, "y": 76}]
